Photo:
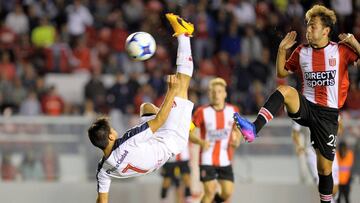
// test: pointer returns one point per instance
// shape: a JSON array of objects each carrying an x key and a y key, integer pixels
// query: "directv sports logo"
[
  {"x": 218, "y": 134},
  {"x": 321, "y": 78}
]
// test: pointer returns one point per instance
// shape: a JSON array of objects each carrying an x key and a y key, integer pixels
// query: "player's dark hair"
[{"x": 99, "y": 131}]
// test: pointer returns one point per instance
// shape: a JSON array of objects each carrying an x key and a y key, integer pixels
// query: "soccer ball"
[{"x": 140, "y": 46}]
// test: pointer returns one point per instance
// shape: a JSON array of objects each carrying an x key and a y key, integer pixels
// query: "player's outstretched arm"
[
  {"x": 102, "y": 198},
  {"x": 285, "y": 44},
  {"x": 162, "y": 115}
]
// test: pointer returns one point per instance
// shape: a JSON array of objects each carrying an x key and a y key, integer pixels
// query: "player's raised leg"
[
  {"x": 183, "y": 31},
  {"x": 284, "y": 95},
  {"x": 175, "y": 130}
]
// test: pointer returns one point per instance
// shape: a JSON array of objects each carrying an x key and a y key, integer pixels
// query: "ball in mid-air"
[{"x": 140, "y": 46}]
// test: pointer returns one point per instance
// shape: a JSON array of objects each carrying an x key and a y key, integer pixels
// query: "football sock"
[
  {"x": 335, "y": 197},
  {"x": 184, "y": 59},
  {"x": 270, "y": 108},
  {"x": 325, "y": 188},
  {"x": 187, "y": 192},
  {"x": 218, "y": 199},
  {"x": 163, "y": 193}
]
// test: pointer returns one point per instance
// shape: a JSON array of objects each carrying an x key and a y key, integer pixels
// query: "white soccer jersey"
[
  {"x": 140, "y": 151},
  {"x": 216, "y": 127},
  {"x": 323, "y": 72},
  {"x": 132, "y": 155},
  {"x": 183, "y": 156}
]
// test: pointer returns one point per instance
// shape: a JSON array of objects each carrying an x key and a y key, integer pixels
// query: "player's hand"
[
  {"x": 235, "y": 138},
  {"x": 205, "y": 145},
  {"x": 288, "y": 41},
  {"x": 300, "y": 150},
  {"x": 235, "y": 142},
  {"x": 347, "y": 38},
  {"x": 173, "y": 83}
]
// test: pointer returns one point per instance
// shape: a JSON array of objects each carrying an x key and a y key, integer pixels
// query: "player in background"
[
  {"x": 146, "y": 147},
  {"x": 176, "y": 171},
  {"x": 218, "y": 137},
  {"x": 302, "y": 144},
  {"x": 307, "y": 155},
  {"x": 346, "y": 161},
  {"x": 322, "y": 66}
]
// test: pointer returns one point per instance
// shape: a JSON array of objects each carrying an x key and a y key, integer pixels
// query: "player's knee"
[
  {"x": 284, "y": 89},
  {"x": 210, "y": 192},
  {"x": 166, "y": 182},
  {"x": 209, "y": 195},
  {"x": 186, "y": 179},
  {"x": 226, "y": 194},
  {"x": 148, "y": 108},
  {"x": 324, "y": 170},
  {"x": 289, "y": 93}
]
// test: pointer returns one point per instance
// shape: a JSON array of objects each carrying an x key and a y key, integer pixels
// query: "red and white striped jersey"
[
  {"x": 183, "y": 156},
  {"x": 216, "y": 127},
  {"x": 323, "y": 72}
]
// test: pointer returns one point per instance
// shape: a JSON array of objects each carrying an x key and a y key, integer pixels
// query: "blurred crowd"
[
  {"x": 32, "y": 165},
  {"x": 234, "y": 39}
]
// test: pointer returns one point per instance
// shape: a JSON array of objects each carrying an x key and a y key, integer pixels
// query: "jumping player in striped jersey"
[
  {"x": 322, "y": 67},
  {"x": 146, "y": 147},
  {"x": 218, "y": 138}
]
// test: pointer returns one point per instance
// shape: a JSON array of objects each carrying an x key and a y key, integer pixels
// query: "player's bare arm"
[
  {"x": 102, "y": 197},
  {"x": 286, "y": 43},
  {"x": 236, "y": 137},
  {"x": 194, "y": 138},
  {"x": 351, "y": 41},
  {"x": 159, "y": 120}
]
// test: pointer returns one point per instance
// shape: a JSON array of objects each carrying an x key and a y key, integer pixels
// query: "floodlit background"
[{"x": 62, "y": 63}]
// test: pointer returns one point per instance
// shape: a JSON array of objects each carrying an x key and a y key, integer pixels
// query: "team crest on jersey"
[{"x": 332, "y": 62}]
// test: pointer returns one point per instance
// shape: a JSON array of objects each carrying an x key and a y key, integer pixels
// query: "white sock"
[
  {"x": 335, "y": 197},
  {"x": 184, "y": 59}
]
